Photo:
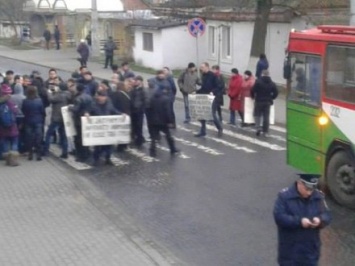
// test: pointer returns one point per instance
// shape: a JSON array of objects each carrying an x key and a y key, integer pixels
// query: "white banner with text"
[
  {"x": 201, "y": 106},
  {"x": 106, "y": 130}
]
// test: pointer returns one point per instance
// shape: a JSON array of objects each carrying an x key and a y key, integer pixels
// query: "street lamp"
[{"x": 95, "y": 41}]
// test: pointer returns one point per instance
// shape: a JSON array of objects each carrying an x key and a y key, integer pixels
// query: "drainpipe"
[{"x": 352, "y": 12}]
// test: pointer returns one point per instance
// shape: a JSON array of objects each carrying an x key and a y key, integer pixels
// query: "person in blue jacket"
[
  {"x": 300, "y": 213},
  {"x": 263, "y": 64}
]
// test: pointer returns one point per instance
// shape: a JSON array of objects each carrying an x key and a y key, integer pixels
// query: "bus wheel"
[{"x": 341, "y": 179}]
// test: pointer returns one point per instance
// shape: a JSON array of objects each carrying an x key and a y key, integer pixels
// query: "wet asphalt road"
[{"x": 212, "y": 205}]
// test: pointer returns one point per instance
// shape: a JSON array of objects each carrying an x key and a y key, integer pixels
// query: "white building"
[{"x": 159, "y": 43}]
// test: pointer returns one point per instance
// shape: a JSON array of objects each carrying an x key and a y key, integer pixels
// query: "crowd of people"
[{"x": 25, "y": 101}]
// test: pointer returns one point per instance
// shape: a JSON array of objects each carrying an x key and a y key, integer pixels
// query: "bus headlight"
[{"x": 323, "y": 120}]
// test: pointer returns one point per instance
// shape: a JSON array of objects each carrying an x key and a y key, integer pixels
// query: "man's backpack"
[{"x": 7, "y": 118}]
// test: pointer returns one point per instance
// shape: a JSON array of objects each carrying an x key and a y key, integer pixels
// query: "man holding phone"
[{"x": 300, "y": 212}]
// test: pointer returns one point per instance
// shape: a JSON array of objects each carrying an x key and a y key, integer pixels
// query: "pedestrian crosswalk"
[{"x": 235, "y": 140}]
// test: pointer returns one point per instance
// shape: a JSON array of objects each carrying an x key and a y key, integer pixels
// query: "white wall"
[
  {"x": 7, "y": 30},
  {"x": 179, "y": 47},
  {"x": 152, "y": 59},
  {"x": 241, "y": 37},
  {"x": 275, "y": 46}
]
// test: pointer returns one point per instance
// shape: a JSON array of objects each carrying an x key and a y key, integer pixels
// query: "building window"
[
  {"x": 226, "y": 42},
  {"x": 212, "y": 40},
  {"x": 148, "y": 41},
  {"x": 340, "y": 81}
]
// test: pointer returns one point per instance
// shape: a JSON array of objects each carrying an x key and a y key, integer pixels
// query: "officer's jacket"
[{"x": 298, "y": 245}]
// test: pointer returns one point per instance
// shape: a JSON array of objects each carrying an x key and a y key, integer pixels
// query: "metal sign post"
[{"x": 197, "y": 27}]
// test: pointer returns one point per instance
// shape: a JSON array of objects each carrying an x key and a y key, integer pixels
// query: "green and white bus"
[{"x": 320, "y": 71}]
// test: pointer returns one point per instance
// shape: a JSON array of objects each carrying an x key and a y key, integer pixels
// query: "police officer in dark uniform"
[{"x": 300, "y": 212}]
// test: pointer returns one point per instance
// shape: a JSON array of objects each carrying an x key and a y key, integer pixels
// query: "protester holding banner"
[
  {"x": 102, "y": 107},
  {"x": 235, "y": 96},
  {"x": 264, "y": 92},
  {"x": 221, "y": 86},
  {"x": 187, "y": 83},
  {"x": 210, "y": 86},
  {"x": 82, "y": 105},
  {"x": 58, "y": 97}
]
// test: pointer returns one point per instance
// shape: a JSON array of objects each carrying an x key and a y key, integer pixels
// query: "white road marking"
[
  {"x": 272, "y": 136},
  {"x": 142, "y": 156},
  {"x": 255, "y": 141},
  {"x": 180, "y": 155},
  {"x": 118, "y": 161},
  {"x": 55, "y": 150},
  {"x": 199, "y": 146},
  {"x": 221, "y": 141}
]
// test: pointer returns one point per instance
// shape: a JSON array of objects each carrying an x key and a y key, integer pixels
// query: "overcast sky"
[{"x": 102, "y": 5}]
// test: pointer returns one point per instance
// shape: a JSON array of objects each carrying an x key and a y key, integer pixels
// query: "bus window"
[
  {"x": 340, "y": 81},
  {"x": 305, "y": 79}
]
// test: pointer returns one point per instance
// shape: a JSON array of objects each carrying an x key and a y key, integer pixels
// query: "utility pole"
[
  {"x": 352, "y": 12},
  {"x": 95, "y": 30}
]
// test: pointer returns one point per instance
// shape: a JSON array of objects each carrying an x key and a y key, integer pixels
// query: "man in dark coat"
[
  {"x": 57, "y": 37},
  {"x": 90, "y": 84},
  {"x": 221, "y": 86},
  {"x": 58, "y": 97},
  {"x": 121, "y": 100},
  {"x": 160, "y": 117},
  {"x": 109, "y": 48},
  {"x": 83, "y": 50},
  {"x": 103, "y": 107},
  {"x": 210, "y": 86},
  {"x": 264, "y": 92},
  {"x": 82, "y": 105},
  {"x": 47, "y": 37},
  {"x": 137, "y": 111},
  {"x": 300, "y": 213}
]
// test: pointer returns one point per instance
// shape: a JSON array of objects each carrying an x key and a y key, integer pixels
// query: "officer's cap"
[{"x": 310, "y": 180}]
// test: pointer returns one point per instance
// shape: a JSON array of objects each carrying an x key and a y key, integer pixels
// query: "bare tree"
[
  {"x": 263, "y": 8},
  {"x": 12, "y": 10}
]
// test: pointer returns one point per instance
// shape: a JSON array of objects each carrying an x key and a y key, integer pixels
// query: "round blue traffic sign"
[{"x": 196, "y": 27}]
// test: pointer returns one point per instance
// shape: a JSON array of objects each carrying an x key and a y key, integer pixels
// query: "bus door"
[{"x": 303, "y": 111}]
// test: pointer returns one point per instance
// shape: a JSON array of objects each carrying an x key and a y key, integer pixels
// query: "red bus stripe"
[{"x": 339, "y": 103}]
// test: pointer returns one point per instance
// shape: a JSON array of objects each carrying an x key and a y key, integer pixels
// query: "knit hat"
[
  {"x": 191, "y": 65},
  {"x": 235, "y": 71},
  {"x": 5, "y": 89}
]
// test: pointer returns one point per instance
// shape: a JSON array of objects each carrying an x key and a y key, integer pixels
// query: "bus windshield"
[{"x": 305, "y": 79}]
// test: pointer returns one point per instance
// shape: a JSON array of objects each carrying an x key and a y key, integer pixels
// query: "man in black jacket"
[
  {"x": 138, "y": 99},
  {"x": 160, "y": 117},
  {"x": 82, "y": 105},
  {"x": 210, "y": 86},
  {"x": 264, "y": 92}
]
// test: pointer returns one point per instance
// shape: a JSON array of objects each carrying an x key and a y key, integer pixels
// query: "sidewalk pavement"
[
  {"x": 65, "y": 60},
  {"x": 50, "y": 216}
]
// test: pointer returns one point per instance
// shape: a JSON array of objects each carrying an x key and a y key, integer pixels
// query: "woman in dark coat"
[
  {"x": 34, "y": 115},
  {"x": 8, "y": 130}
]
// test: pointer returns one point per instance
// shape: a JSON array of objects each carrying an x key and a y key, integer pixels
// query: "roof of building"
[{"x": 158, "y": 23}]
